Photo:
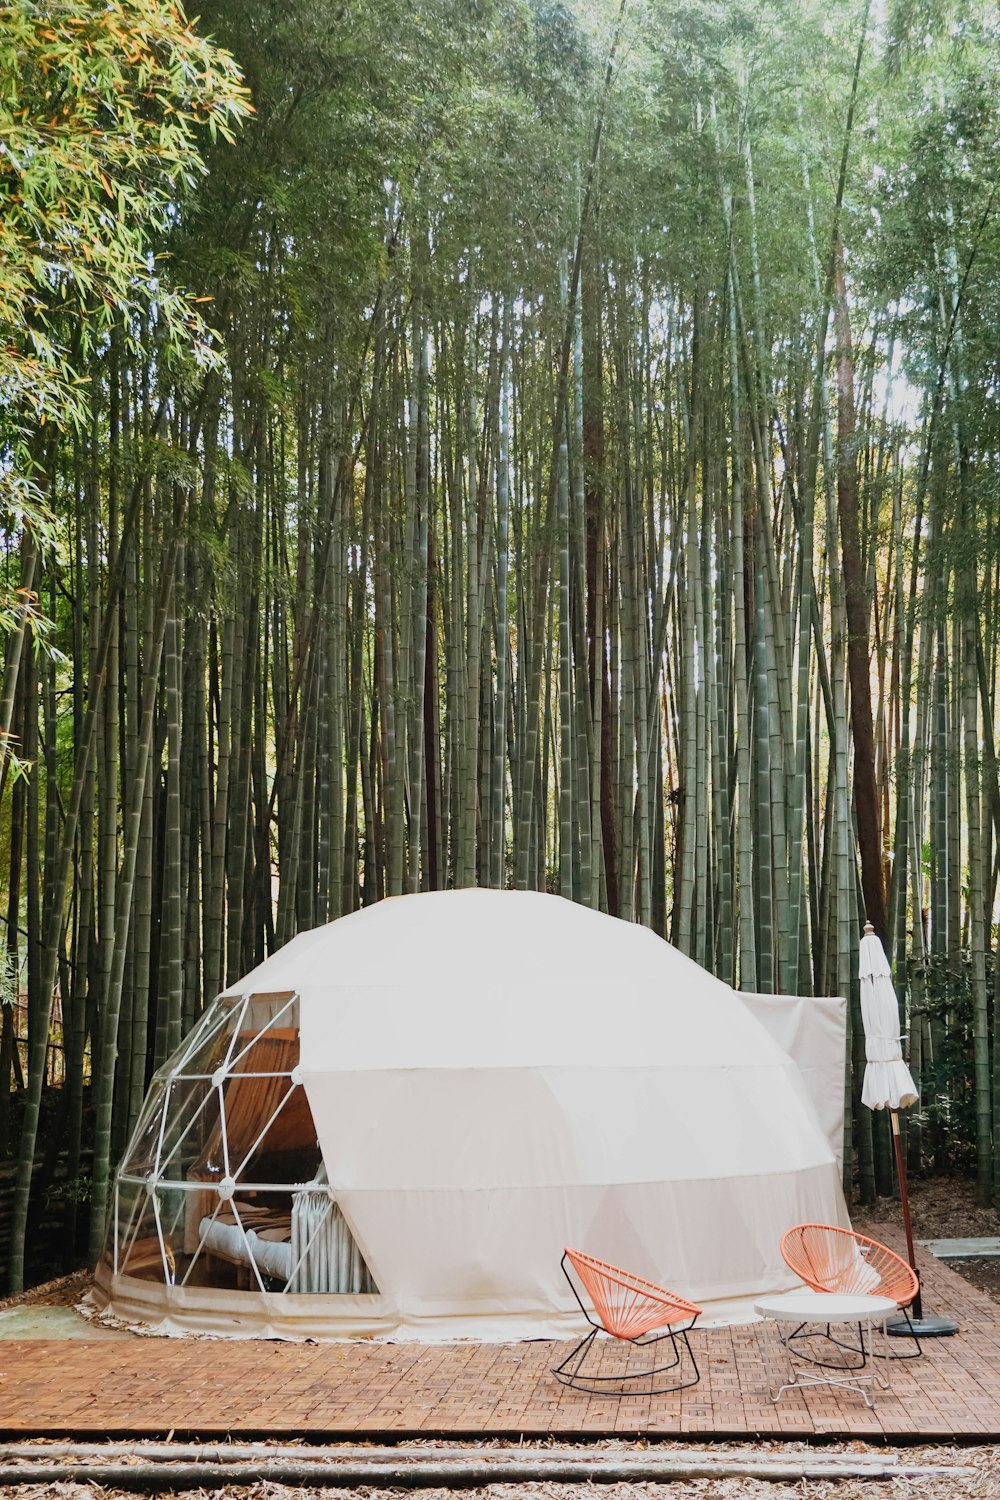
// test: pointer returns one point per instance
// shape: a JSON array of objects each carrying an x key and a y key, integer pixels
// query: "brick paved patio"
[{"x": 209, "y": 1387}]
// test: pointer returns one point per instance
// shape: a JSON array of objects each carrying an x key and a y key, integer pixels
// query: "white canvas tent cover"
[
  {"x": 812, "y": 1029},
  {"x": 495, "y": 1075}
]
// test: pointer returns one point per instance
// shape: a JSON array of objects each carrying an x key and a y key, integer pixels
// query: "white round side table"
[{"x": 833, "y": 1307}]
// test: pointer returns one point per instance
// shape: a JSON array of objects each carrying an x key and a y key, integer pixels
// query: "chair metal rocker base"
[
  {"x": 797, "y": 1336},
  {"x": 902, "y": 1327},
  {"x": 602, "y": 1385}
]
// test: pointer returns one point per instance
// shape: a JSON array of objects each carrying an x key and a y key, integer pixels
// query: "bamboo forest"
[{"x": 545, "y": 444}]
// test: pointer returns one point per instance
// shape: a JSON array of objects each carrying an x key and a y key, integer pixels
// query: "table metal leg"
[
  {"x": 885, "y": 1379},
  {"x": 806, "y": 1379}
]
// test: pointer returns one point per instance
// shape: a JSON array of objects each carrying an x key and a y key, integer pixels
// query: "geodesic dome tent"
[{"x": 393, "y": 1126}]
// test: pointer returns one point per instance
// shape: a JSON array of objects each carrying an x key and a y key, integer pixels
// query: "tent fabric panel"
[
  {"x": 449, "y": 1252},
  {"x": 505, "y": 1025},
  {"x": 569, "y": 1126},
  {"x": 544, "y": 941},
  {"x": 812, "y": 1029}
]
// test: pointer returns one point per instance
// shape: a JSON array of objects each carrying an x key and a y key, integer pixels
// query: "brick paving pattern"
[{"x": 152, "y": 1386}]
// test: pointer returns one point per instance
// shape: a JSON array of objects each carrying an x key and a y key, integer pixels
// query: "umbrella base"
[{"x": 930, "y": 1326}]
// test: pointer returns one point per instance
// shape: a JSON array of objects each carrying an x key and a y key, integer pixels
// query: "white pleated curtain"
[{"x": 324, "y": 1255}]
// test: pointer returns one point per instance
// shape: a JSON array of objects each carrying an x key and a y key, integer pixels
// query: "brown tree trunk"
[{"x": 866, "y": 802}]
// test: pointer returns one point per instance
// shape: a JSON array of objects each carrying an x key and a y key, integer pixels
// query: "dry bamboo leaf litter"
[{"x": 980, "y": 1485}]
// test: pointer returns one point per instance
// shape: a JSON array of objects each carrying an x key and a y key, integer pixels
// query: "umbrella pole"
[
  {"x": 931, "y": 1325},
  {"x": 904, "y": 1198}
]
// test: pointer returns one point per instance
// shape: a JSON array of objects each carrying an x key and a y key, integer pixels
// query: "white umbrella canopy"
[{"x": 888, "y": 1083}]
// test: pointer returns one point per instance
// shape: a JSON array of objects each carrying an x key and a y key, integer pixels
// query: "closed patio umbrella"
[{"x": 888, "y": 1084}]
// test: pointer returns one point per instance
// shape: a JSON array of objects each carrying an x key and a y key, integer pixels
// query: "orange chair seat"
[
  {"x": 830, "y": 1259},
  {"x": 628, "y": 1306}
]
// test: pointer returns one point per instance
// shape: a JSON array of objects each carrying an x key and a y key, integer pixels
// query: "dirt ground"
[
  {"x": 66, "y": 1291},
  {"x": 944, "y": 1208},
  {"x": 941, "y": 1208},
  {"x": 982, "y": 1271}
]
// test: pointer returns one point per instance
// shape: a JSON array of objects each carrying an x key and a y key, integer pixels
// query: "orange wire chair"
[
  {"x": 629, "y": 1308},
  {"x": 830, "y": 1259}
]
